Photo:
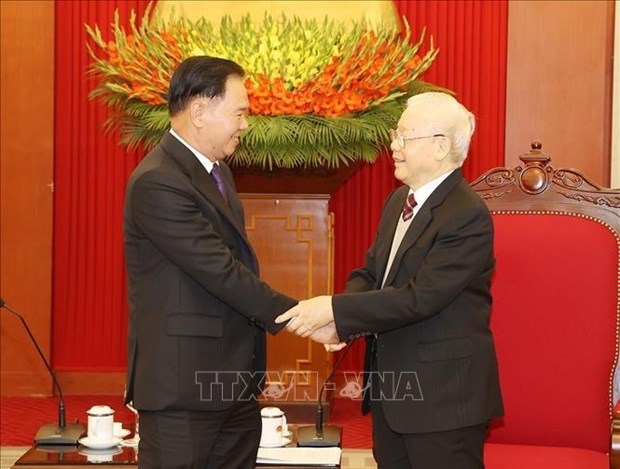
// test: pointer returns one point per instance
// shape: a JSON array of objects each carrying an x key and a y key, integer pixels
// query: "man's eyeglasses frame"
[{"x": 401, "y": 141}]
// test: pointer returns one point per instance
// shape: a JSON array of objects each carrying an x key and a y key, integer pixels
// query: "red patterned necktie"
[
  {"x": 217, "y": 174},
  {"x": 408, "y": 208}
]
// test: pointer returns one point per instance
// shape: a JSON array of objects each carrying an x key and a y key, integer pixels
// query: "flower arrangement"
[{"x": 321, "y": 93}]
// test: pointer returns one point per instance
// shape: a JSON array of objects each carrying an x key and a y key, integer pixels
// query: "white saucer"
[
  {"x": 283, "y": 442},
  {"x": 122, "y": 434},
  {"x": 98, "y": 444},
  {"x": 101, "y": 452}
]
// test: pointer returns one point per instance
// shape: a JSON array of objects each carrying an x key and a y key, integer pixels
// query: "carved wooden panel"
[
  {"x": 536, "y": 185},
  {"x": 292, "y": 237}
]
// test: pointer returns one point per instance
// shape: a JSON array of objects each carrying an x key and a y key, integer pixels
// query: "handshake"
[{"x": 314, "y": 318}]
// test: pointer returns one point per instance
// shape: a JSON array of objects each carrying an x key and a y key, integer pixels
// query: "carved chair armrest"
[{"x": 614, "y": 455}]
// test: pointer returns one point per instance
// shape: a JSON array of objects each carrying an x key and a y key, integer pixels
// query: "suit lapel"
[
  {"x": 201, "y": 179},
  {"x": 237, "y": 209},
  {"x": 421, "y": 220},
  {"x": 233, "y": 198},
  {"x": 392, "y": 214}
]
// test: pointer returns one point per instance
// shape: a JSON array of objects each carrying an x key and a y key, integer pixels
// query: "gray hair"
[{"x": 446, "y": 116}]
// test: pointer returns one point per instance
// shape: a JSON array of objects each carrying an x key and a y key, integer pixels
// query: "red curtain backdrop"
[
  {"x": 471, "y": 36},
  {"x": 90, "y": 172}
]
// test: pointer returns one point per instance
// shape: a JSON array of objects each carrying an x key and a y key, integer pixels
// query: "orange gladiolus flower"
[{"x": 412, "y": 63}]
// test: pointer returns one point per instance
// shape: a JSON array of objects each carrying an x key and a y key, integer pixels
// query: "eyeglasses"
[{"x": 401, "y": 141}]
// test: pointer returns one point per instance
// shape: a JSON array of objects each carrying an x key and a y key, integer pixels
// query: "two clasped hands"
[{"x": 314, "y": 318}]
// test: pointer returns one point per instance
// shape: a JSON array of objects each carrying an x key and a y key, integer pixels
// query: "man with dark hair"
[
  {"x": 198, "y": 311},
  {"x": 200, "y": 76}
]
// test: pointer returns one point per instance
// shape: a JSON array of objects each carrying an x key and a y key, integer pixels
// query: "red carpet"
[
  {"x": 20, "y": 417},
  {"x": 356, "y": 428}
]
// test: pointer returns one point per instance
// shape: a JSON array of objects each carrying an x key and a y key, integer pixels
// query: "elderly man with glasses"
[{"x": 423, "y": 301}]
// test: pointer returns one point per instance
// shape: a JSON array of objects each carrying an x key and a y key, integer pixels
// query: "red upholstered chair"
[{"x": 555, "y": 315}]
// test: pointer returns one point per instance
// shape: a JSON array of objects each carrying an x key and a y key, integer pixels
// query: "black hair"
[{"x": 199, "y": 76}]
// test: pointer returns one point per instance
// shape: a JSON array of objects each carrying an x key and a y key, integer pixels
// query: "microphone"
[
  {"x": 320, "y": 435},
  {"x": 51, "y": 434}
]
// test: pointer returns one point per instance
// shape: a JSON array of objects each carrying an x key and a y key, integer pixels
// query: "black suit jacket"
[
  {"x": 434, "y": 348},
  {"x": 198, "y": 310}
]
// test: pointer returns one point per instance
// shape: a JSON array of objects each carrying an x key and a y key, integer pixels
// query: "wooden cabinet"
[{"x": 292, "y": 235}]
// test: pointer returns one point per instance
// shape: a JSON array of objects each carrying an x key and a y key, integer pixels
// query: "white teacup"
[
  {"x": 100, "y": 423},
  {"x": 274, "y": 426}
]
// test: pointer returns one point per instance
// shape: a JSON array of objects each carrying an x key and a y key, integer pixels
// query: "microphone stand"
[
  {"x": 51, "y": 434},
  {"x": 320, "y": 435}
]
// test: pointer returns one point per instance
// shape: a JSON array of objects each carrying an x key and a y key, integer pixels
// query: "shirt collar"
[
  {"x": 424, "y": 192},
  {"x": 206, "y": 162}
]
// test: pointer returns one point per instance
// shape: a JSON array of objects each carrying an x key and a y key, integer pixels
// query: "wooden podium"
[{"x": 292, "y": 235}]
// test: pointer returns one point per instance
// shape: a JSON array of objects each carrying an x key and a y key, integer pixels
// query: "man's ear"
[
  {"x": 442, "y": 148},
  {"x": 197, "y": 111}
]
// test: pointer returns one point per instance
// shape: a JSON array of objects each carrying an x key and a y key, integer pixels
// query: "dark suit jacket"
[
  {"x": 198, "y": 310},
  {"x": 432, "y": 314}
]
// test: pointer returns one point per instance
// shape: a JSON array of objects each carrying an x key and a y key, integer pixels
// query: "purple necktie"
[
  {"x": 408, "y": 208},
  {"x": 217, "y": 174}
]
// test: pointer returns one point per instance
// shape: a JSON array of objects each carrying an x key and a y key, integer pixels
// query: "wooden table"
[
  {"x": 67, "y": 457},
  {"x": 73, "y": 457}
]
